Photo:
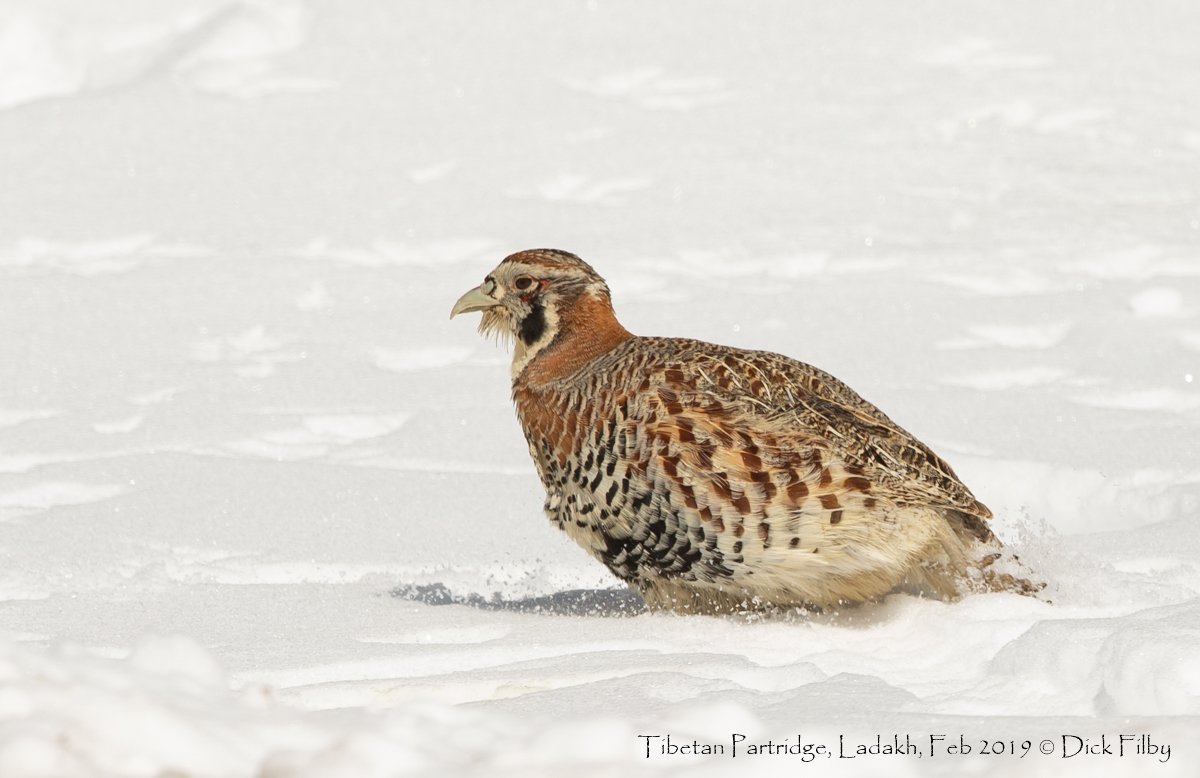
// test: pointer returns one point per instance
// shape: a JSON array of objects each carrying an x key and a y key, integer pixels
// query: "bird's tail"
[
  {"x": 991, "y": 567},
  {"x": 1003, "y": 571},
  {"x": 967, "y": 558}
]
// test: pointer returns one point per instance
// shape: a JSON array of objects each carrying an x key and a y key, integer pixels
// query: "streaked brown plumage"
[{"x": 715, "y": 479}]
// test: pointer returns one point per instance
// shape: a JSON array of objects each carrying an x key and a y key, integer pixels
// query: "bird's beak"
[{"x": 477, "y": 299}]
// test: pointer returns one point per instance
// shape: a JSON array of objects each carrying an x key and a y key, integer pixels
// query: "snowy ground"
[{"x": 265, "y": 512}]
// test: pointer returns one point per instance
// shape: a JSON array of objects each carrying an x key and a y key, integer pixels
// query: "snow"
[{"x": 265, "y": 512}]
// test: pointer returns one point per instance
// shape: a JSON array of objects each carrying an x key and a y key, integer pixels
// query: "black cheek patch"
[{"x": 532, "y": 326}]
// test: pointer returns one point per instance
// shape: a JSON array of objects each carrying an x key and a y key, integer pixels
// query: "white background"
[{"x": 244, "y": 455}]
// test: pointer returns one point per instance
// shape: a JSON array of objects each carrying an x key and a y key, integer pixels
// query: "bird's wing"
[{"x": 773, "y": 434}]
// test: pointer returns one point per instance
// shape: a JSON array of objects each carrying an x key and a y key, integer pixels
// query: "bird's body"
[{"x": 715, "y": 479}]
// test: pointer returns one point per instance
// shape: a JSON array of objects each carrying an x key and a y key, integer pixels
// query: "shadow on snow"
[{"x": 575, "y": 602}]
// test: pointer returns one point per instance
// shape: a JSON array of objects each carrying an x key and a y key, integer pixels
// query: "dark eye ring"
[{"x": 523, "y": 283}]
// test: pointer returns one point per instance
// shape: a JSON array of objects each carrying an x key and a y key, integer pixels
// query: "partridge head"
[{"x": 541, "y": 297}]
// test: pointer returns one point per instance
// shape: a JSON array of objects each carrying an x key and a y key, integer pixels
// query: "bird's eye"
[{"x": 523, "y": 283}]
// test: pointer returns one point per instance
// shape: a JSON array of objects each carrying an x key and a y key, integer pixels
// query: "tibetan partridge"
[{"x": 712, "y": 479}]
